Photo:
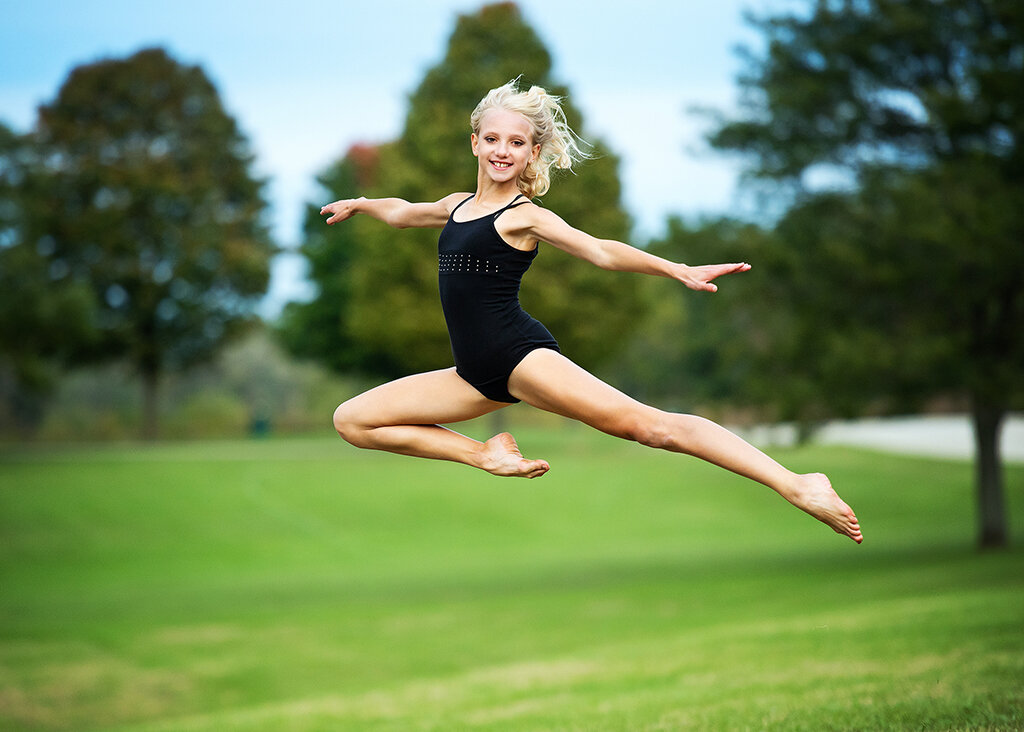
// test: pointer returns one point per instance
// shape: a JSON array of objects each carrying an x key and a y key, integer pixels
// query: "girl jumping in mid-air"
[{"x": 502, "y": 355}]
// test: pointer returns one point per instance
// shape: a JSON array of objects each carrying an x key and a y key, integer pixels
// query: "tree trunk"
[
  {"x": 988, "y": 423},
  {"x": 150, "y": 407}
]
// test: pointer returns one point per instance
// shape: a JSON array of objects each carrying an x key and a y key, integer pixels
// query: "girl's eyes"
[{"x": 492, "y": 140}]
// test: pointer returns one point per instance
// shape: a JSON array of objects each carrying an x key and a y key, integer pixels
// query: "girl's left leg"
[
  {"x": 405, "y": 416},
  {"x": 548, "y": 380}
]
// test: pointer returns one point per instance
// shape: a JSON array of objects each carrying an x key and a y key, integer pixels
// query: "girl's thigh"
[
  {"x": 434, "y": 397},
  {"x": 548, "y": 380}
]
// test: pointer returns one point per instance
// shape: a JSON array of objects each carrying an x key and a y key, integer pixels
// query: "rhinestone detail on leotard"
[{"x": 451, "y": 263}]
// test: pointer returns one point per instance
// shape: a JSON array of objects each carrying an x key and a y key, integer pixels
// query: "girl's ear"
[
  {"x": 535, "y": 154},
  {"x": 472, "y": 143}
]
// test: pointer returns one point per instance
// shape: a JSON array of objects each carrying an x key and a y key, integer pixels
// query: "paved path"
[{"x": 942, "y": 436}]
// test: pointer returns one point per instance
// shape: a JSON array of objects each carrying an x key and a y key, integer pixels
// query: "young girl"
[{"x": 502, "y": 355}]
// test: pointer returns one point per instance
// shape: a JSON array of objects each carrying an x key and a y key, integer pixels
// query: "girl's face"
[{"x": 504, "y": 146}]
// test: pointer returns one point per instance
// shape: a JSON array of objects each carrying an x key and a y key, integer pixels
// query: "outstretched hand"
[
  {"x": 339, "y": 210},
  {"x": 699, "y": 278}
]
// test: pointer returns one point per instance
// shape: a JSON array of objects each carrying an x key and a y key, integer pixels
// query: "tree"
[
  {"x": 694, "y": 354},
  {"x": 320, "y": 329},
  {"x": 376, "y": 309},
  {"x": 147, "y": 197},
  {"x": 44, "y": 318},
  {"x": 906, "y": 278}
]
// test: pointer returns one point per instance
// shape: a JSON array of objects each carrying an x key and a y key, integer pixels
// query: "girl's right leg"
[
  {"x": 405, "y": 417},
  {"x": 548, "y": 380}
]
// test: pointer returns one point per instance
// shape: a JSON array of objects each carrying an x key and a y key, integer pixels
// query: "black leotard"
[{"x": 479, "y": 275}]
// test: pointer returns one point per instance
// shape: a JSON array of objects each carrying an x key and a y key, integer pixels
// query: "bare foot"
[
  {"x": 500, "y": 456},
  {"x": 814, "y": 494}
]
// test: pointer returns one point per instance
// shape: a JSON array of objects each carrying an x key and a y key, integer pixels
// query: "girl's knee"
[
  {"x": 648, "y": 426},
  {"x": 665, "y": 431},
  {"x": 655, "y": 433},
  {"x": 347, "y": 426}
]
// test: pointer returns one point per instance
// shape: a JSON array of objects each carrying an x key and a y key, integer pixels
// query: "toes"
[{"x": 538, "y": 469}]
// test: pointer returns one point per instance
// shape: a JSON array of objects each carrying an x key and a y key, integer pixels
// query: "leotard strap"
[
  {"x": 511, "y": 204},
  {"x": 465, "y": 200}
]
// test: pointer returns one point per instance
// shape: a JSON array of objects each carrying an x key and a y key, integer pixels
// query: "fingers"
[
  {"x": 336, "y": 210},
  {"x": 718, "y": 270},
  {"x": 732, "y": 268},
  {"x": 700, "y": 278}
]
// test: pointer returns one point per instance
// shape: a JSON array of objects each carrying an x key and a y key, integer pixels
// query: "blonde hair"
[{"x": 559, "y": 145}]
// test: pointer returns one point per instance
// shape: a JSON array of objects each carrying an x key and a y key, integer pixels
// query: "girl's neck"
[{"x": 489, "y": 192}]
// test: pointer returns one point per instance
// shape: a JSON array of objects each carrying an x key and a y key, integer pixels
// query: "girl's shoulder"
[
  {"x": 532, "y": 210},
  {"x": 529, "y": 220},
  {"x": 453, "y": 200}
]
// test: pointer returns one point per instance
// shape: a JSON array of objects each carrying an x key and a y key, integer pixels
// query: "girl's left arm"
[{"x": 615, "y": 255}]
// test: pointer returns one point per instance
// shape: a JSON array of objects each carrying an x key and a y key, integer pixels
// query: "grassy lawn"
[{"x": 300, "y": 585}]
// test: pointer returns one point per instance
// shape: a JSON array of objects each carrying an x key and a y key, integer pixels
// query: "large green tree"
[
  {"x": 147, "y": 196},
  {"x": 376, "y": 307},
  {"x": 44, "y": 319},
  {"x": 905, "y": 281},
  {"x": 694, "y": 353}
]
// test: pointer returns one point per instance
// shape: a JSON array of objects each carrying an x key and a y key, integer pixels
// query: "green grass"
[{"x": 301, "y": 585}]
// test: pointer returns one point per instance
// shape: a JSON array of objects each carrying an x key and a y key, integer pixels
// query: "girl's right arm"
[{"x": 394, "y": 211}]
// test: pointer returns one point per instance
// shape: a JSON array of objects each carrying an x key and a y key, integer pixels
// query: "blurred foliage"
[
  {"x": 692, "y": 352},
  {"x": 883, "y": 84},
  {"x": 43, "y": 320},
  {"x": 252, "y": 387},
  {"x": 137, "y": 206},
  {"x": 377, "y": 305},
  {"x": 903, "y": 283}
]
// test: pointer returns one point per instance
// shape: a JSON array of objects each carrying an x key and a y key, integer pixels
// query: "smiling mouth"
[{"x": 500, "y": 165}]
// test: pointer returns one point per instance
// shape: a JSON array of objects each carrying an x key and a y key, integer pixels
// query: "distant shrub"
[{"x": 208, "y": 414}]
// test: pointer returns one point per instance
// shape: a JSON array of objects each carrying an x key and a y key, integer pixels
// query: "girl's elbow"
[
  {"x": 397, "y": 221},
  {"x": 605, "y": 260}
]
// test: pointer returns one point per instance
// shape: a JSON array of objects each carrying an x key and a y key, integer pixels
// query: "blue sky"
[{"x": 306, "y": 79}]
